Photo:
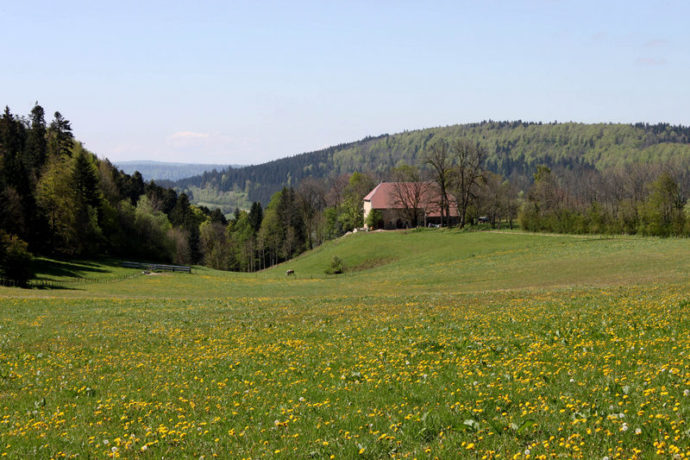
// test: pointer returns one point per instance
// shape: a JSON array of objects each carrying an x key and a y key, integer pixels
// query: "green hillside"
[
  {"x": 417, "y": 262},
  {"x": 421, "y": 261},
  {"x": 515, "y": 149}
]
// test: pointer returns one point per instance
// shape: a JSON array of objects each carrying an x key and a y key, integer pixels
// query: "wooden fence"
[{"x": 158, "y": 267}]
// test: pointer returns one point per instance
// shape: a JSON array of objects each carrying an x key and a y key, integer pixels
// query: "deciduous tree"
[
  {"x": 438, "y": 156},
  {"x": 467, "y": 173},
  {"x": 410, "y": 192}
]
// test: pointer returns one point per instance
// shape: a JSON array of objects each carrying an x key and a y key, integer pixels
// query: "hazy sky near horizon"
[{"x": 247, "y": 82}]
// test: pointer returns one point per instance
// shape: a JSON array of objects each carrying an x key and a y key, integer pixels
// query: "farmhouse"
[{"x": 407, "y": 204}]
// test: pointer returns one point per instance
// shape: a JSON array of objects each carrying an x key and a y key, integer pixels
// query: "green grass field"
[{"x": 432, "y": 344}]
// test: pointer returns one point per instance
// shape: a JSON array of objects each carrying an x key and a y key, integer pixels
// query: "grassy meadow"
[{"x": 434, "y": 343}]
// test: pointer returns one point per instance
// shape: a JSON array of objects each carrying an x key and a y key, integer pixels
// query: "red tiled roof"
[{"x": 386, "y": 196}]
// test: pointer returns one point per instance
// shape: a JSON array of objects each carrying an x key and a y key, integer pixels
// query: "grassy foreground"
[{"x": 433, "y": 344}]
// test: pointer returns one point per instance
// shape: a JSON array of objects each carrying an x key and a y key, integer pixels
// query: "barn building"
[{"x": 407, "y": 204}]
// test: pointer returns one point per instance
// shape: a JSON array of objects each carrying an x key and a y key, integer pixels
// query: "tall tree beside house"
[
  {"x": 439, "y": 158},
  {"x": 336, "y": 193},
  {"x": 410, "y": 190},
  {"x": 352, "y": 212},
  {"x": 467, "y": 174}
]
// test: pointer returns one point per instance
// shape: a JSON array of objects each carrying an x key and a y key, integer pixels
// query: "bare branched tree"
[
  {"x": 468, "y": 173},
  {"x": 336, "y": 194},
  {"x": 439, "y": 158},
  {"x": 410, "y": 192}
]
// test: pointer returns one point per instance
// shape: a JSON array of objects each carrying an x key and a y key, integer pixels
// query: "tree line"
[
  {"x": 58, "y": 199},
  {"x": 514, "y": 149}
]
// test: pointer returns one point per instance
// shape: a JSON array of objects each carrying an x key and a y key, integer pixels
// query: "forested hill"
[{"x": 514, "y": 149}]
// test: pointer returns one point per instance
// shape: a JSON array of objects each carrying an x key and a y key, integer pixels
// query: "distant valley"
[{"x": 165, "y": 171}]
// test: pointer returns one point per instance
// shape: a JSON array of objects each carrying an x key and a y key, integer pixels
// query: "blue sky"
[{"x": 247, "y": 82}]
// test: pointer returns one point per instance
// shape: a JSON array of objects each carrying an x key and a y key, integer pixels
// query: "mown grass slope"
[
  {"x": 416, "y": 261},
  {"x": 410, "y": 263},
  {"x": 436, "y": 343}
]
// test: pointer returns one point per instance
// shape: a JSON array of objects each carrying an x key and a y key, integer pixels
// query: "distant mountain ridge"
[
  {"x": 515, "y": 148},
  {"x": 168, "y": 171}
]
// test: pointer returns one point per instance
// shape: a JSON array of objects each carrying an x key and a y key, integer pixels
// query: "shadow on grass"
[
  {"x": 51, "y": 287},
  {"x": 64, "y": 269}
]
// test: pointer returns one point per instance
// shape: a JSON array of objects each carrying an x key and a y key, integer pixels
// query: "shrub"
[
  {"x": 336, "y": 266},
  {"x": 375, "y": 219},
  {"x": 15, "y": 259}
]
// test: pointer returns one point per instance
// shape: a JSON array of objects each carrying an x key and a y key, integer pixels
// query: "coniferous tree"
[
  {"x": 256, "y": 215},
  {"x": 17, "y": 187},
  {"x": 133, "y": 187},
  {"x": 36, "y": 144},
  {"x": 217, "y": 217},
  {"x": 60, "y": 136},
  {"x": 87, "y": 203}
]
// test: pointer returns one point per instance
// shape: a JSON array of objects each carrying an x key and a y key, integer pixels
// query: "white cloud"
[
  {"x": 650, "y": 61},
  {"x": 188, "y": 135},
  {"x": 189, "y": 140},
  {"x": 655, "y": 43}
]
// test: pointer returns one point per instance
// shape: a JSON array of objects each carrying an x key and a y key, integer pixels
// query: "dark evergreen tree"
[
  {"x": 60, "y": 136},
  {"x": 256, "y": 215},
  {"x": 217, "y": 217},
  {"x": 85, "y": 180},
  {"x": 133, "y": 187},
  {"x": 163, "y": 199},
  {"x": 183, "y": 216},
  {"x": 36, "y": 144}
]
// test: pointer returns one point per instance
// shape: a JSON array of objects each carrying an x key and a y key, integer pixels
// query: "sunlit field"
[{"x": 433, "y": 343}]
